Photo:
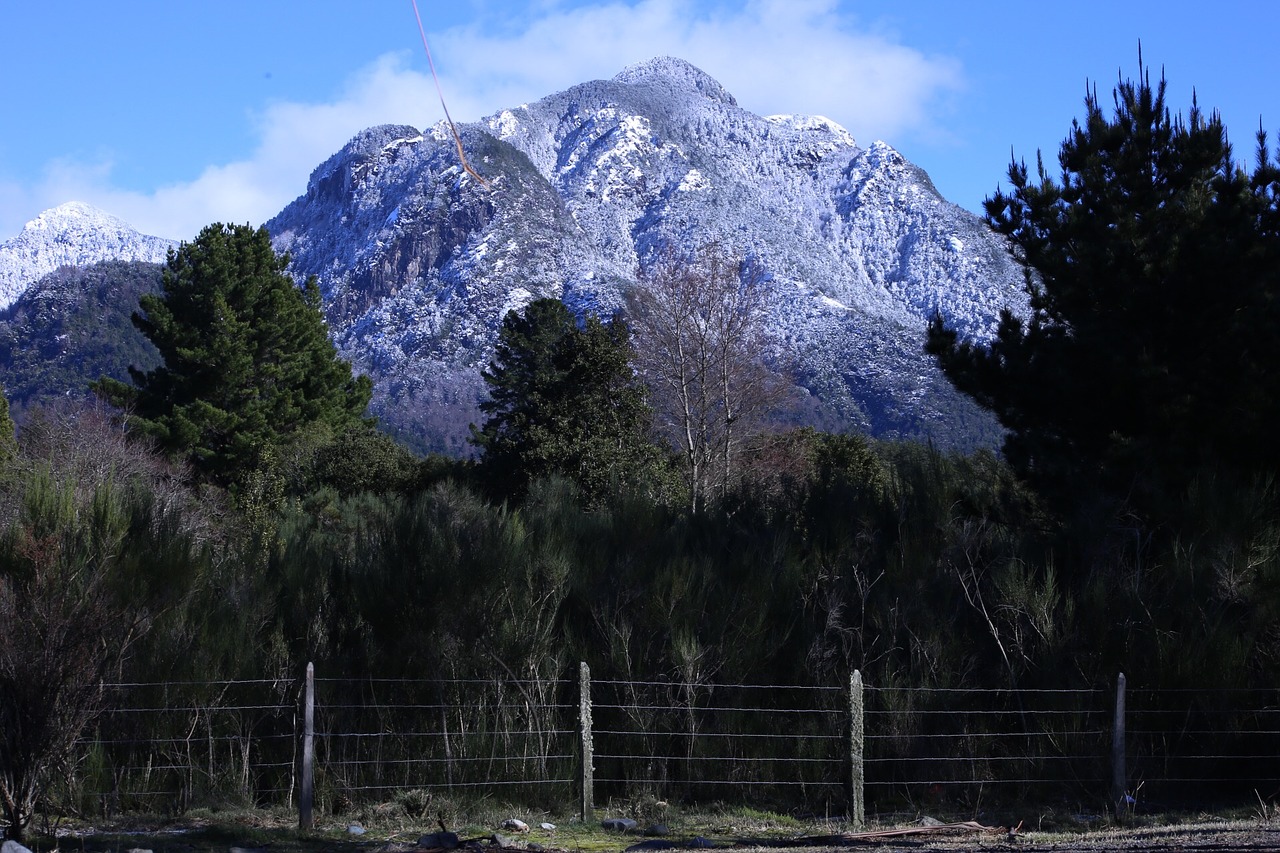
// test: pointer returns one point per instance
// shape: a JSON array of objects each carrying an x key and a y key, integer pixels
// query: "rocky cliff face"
[{"x": 419, "y": 262}]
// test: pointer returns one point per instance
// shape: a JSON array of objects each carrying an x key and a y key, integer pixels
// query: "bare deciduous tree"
[{"x": 697, "y": 322}]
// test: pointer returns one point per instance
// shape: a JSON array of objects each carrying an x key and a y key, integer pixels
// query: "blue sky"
[{"x": 176, "y": 113}]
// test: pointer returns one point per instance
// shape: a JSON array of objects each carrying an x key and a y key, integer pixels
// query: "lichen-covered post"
[
  {"x": 307, "y": 788},
  {"x": 588, "y": 749},
  {"x": 857, "y": 782}
]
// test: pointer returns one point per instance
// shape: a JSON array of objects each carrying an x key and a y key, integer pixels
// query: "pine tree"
[
  {"x": 247, "y": 361},
  {"x": 564, "y": 399},
  {"x": 1150, "y": 351}
]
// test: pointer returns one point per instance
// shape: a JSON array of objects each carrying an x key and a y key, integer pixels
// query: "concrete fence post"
[
  {"x": 1119, "y": 777},
  {"x": 857, "y": 734},
  {"x": 588, "y": 748},
  {"x": 306, "y": 793}
]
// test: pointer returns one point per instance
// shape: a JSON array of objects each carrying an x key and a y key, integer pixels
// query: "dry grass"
[{"x": 389, "y": 828}]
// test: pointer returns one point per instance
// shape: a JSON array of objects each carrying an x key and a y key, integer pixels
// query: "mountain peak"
[
  {"x": 71, "y": 234},
  {"x": 672, "y": 70},
  {"x": 854, "y": 248},
  {"x": 73, "y": 214}
]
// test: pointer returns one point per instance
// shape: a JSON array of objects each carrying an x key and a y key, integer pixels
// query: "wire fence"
[
  {"x": 824, "y": 749},
  {"x": 377, "y": 737},
  {"x": 1225, "y": 741},
  {"x": 933, "y": 743},
  {"x": 169, "y": 746},
  {"x": 731, "y": 742}
]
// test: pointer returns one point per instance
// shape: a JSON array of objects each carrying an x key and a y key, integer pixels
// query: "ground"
[{"x": 750, "y": 833}]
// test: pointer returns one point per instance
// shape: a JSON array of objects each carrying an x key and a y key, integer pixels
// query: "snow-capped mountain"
[
  {"x": 72, "y": 234},
  {"x": 419, "y": 261}
]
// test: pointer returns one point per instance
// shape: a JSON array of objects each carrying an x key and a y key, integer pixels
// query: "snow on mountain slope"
[
  {"x": 72, "y": 234},
  {"x": 419, "y": 262}
]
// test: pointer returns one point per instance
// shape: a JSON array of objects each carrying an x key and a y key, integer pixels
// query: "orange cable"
[{"x": 456, "y": 138}]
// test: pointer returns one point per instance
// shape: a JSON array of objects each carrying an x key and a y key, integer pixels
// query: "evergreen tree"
[
  {"x": 564, "y": 399},
  {"x": 7, "y": 444},
  {"x": 247, "y": 361},
  {"x": 1150, "y": 351}
]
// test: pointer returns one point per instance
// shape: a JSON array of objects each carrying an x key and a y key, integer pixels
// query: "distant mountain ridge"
[
  {"x": 72, "y": 234},
  {"x": 72, "y": 327}
]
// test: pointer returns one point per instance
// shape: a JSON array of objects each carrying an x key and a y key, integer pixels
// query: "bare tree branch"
[{"x": 700, "y": 339}]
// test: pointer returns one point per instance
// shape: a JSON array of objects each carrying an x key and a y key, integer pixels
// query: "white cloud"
[
  {"x": 292, "y": 140},
  {"x": 774, "y": 56}
]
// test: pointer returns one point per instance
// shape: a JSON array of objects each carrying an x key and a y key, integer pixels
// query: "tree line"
[{"x": 237, "y": 513}]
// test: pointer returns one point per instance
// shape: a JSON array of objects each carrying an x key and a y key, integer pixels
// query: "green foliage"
[
  {"x": 439, "y": 583},
  {"x": 7, "y": 443},
  {"x": 564, "y": 399},
  {"x": 247, "y": 361},
  {"x": 1153, "y": 266},
  {"x": 59, "y": 630},
  {"x": 919, "y": 568},
  {"x": 91, "y": 554},
  {"x": 72, "y": 327},
  {"x": 362, "y": 459}
]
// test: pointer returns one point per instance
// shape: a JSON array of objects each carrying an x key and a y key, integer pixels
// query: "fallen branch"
[{"x": 873, "y": 835}]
